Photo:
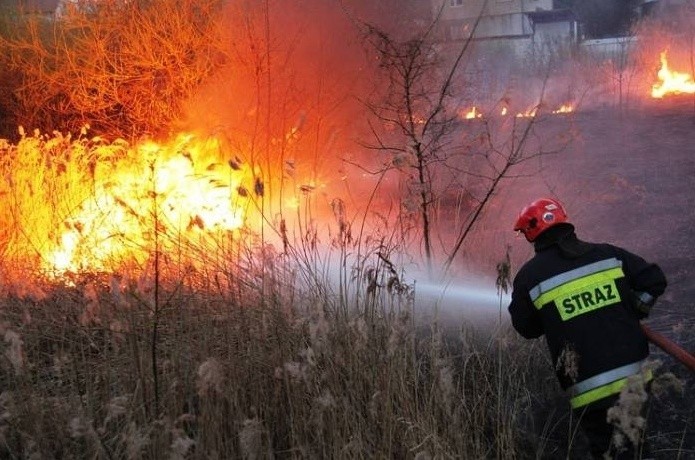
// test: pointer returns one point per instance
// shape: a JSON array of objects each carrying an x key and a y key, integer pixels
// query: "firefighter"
[{"x": 587, "y": 299}]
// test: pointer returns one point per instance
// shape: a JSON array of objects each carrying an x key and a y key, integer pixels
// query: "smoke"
[
  {"x": 292, "y": 69},
  {"x": 293, "y": 91},
  {"x": 289, "y": 101}
]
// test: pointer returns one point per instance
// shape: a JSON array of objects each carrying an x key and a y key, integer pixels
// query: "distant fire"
[
  {"x": 472, "y": 113},
  {"x": 527, "y": 114},
  {"x": 566, "y": 108},
  {"x": 175, "y": 190},
  {"x": 672, "y": 82},
  {"x": 475, "y": 112}
]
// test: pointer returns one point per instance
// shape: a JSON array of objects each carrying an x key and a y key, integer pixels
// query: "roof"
[{"x": 548, "y": 16}]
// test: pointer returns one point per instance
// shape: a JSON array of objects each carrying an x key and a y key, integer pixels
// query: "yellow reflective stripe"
[
  {"x": 606, "y": 377},
  {"x": 604, "y": 391},
  {"x": 571, "y": 275},
  {"x": 577, "y": 285}
]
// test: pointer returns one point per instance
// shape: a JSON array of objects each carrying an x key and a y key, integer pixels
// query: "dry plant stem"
[{"x": 156, "y": 306}]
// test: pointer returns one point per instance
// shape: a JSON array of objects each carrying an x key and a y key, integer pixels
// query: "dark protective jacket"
[{"x": 582, "y": 297}]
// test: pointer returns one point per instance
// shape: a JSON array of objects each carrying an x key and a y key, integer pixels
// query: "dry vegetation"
[
  {"x": 247, "y": 350},
  {"x": 99, "y": 370},
  {"x": 250, "y": 353},
  {"x": 270, "y": 367},
  {"x": 123, "y": 67}
]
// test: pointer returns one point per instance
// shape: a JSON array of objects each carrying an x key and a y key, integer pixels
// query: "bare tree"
[
  {"x": 415, "y": 121},
  {"x": 416, "y": 104}
]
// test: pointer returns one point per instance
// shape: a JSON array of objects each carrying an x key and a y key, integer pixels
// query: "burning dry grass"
[
  {"x": 202, "y": 351},
  {"x": 189, "y": 349},
  {"x": 75, "y": 205},
  {"x": 196, "y": 351}
]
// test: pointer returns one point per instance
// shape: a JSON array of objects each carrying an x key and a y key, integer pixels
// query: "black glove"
[{"x": 643, "y": 303}]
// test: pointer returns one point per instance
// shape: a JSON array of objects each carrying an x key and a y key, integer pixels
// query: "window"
[{"x": 456, "y": 2}]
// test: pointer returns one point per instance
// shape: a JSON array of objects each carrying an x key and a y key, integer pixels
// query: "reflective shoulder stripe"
[
  {"x": 540, "y": 293},
  {"x": 562, "y": 278},
  {"x": 579, "y": 284},
  {"x": 605, "y": 391},
  {"x": 605, "y": 377}
]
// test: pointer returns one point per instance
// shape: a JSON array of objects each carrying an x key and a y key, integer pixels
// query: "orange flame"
[
  {"x": 672, "y": 82},
  {"x": 527, "y": 114},
  {"x": 472, "y": 113},
  {"x": 565, "y": 108},
  {"x": 175, "y": 191}
]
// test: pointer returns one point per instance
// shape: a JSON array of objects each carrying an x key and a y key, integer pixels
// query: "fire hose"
[{"x": 682, "y": 355}]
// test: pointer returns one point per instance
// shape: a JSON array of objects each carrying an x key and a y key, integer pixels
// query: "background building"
[{"x": 519, "y": 26}]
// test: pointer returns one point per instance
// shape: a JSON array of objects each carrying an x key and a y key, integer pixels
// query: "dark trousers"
[{"x": 600, "y": 435}]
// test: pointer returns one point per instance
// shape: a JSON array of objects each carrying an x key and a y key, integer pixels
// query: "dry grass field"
[{"x": 265, "y": 355}]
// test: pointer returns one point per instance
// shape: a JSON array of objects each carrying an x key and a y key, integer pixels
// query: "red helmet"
[{"x": 540, "y": 216}]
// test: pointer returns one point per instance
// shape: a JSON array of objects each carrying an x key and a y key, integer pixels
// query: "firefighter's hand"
[{"x": 643, "y": 303}]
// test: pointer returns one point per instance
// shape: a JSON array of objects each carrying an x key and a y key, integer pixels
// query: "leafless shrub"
[{"x": 125, "y": 67}]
